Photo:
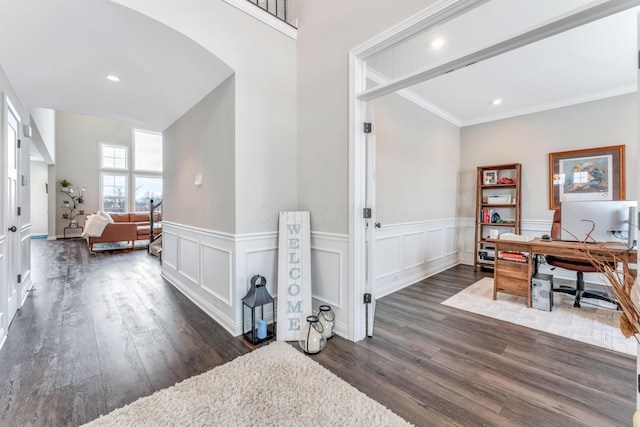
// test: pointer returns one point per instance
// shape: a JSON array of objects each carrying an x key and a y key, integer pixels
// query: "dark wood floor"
[{"x": 102, "y": 330}]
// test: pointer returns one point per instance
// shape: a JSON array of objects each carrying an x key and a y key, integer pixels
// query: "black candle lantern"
[{"x": 256, "y": 305}]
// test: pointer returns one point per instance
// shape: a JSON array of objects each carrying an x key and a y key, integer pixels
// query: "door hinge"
[
  {"x": 366, "y": 213},
  {"x": 19, "y": 211},
  {"x": 367, "y": 127},
  {"x": 19, "y": 278},
  {"x": 19, "y": 143},
  {"x": 367, "y": 299}
]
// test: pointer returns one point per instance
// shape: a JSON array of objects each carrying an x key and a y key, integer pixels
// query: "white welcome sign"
[{"x": 294, "y": 274}]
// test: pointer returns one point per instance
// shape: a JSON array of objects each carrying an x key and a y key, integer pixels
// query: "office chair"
[{"x": 579, "y": 266}]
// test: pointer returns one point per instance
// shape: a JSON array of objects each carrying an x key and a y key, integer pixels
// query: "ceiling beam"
[{"x": 550, "y": 28}]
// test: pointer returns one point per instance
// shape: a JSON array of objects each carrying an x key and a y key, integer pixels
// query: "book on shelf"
[{"x": 486, "y": 214}]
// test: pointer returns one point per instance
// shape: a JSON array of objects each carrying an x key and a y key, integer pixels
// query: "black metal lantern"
[{"x": 258, "y": 312}]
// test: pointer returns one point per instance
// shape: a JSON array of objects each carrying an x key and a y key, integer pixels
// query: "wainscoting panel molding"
[
  {"x": 188, "y": 255},
  {"x": 169, "y": 249},
  {"x": 413, "y": 250},
  {"x": 330, "y": 276},
  {"x": 436, "y": 247},
  {"x": 407, "y": 253},
  {"x": 25, "y": 262},
  {"x": 217, "y": 272},
  {"x": 214, "y": 270},
  {"x": 391, "y": 263}
]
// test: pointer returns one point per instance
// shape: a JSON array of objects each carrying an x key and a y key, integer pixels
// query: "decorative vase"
[
  {"x": 327, "y": 319},
  {"x": 311, "y": 339}
]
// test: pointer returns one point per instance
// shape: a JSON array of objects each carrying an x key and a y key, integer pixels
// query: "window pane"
[
  {"x": 114, "y": 193},
  {"x": 147, "y": 188},
  {"x": 147, "y": 151},
  {"x": 113, "y": 157}
]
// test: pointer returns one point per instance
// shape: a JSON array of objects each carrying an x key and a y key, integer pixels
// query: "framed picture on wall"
[
  {"x": 490, "y": 177},
  {"x": 589, "y": 174}
]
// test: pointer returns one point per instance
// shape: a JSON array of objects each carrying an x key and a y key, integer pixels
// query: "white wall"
[
  {"x": 328, "y": 31},
  {"x": 417, "y": 160},
  {"x": 39, "y": 198},
  {"x": 264, "y": 63},
  {"x": 44, "y": 132},
  {"x": 529, "y": 139},
  {"x": 202, "y": 142}
]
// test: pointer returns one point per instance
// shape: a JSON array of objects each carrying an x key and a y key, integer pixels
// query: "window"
[
  {"x": 114, "y": 190},
  {"x": 124, "y": 188},
  {"x": 147, "y": 151},
  {"x": 113, "y": 157},
  {"x": 147, "y": 188}
]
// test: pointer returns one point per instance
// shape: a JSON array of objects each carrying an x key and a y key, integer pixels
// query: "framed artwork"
[
  {"x": 589, "y": 174},
  {"x": 490, "y": 177}
]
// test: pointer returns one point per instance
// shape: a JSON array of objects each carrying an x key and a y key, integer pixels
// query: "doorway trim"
[{"x": 436, "y": 14}]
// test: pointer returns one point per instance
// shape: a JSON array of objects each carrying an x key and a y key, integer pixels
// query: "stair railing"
[
  {"x": 152, "y": 216},
  {"x": 278, "y": 8}
]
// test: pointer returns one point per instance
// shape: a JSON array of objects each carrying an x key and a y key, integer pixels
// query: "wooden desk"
[{"x": 515, "y": 277}]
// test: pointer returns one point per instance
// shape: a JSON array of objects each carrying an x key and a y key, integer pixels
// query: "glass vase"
[
  {"x": 311, "y": 339},
  {"x": 327, "y": 319}
]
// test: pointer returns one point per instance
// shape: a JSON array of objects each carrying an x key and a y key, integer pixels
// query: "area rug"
[
  {"x": 591, "y": 323},
  {"x": 275, "y": 385}
]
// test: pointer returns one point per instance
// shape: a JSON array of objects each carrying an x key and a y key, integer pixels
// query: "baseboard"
[{"x": 211, "y": 311}]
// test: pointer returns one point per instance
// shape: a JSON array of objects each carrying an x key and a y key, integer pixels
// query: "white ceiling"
[
  {"x": 595, "y": 61},
  {"x": 57, "y": 55}
]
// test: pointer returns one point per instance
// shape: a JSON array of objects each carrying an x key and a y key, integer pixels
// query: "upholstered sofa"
[{"x": 128, "y": 227}]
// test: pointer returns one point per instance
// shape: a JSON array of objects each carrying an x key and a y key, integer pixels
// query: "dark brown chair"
[{"x": 579, "y": 266}]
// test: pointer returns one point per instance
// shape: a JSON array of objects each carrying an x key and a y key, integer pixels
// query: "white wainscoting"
[
  {"x": 3, "y": 290},
  {"x": 25, "y": 262},
  {"x": 407, "y": 253},
  {"x": 214, "y": 270},
  {"x": 330, "y": 276}
]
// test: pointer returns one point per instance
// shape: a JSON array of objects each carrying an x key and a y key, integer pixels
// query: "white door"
[
  {"x": 370, "y": 223},
  {"x": 13, "y": 234}
]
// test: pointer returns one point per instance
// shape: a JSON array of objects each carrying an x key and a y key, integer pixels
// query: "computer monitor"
[{"x": 614, "y": 220}]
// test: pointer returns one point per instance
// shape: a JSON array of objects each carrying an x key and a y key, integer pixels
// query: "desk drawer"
[{"x": 512, "y": 277}]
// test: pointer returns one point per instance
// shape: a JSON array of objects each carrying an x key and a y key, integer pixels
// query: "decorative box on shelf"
[
  {"x": 516, "y": 237},
  {"x": 499, "y": 200}
]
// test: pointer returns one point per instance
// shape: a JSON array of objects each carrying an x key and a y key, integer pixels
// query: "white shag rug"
[
  {"x": 275, "y": 385},
  {"x": 591, "y": 323}
]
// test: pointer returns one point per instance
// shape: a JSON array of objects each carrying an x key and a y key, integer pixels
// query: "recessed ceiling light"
[
  {"x": 113, "y": 78},
  {"x": 437, "y": 43},
  {"x": 496, "y": 101}
]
